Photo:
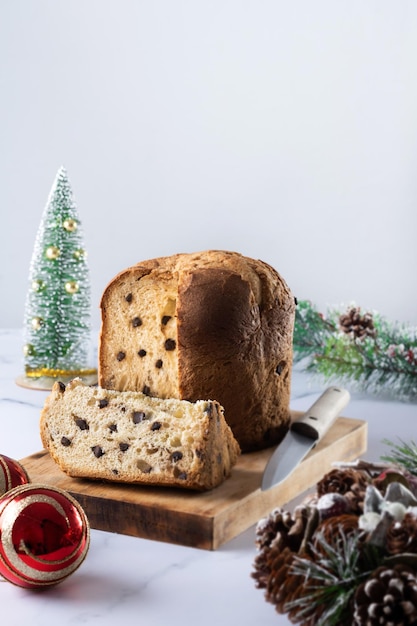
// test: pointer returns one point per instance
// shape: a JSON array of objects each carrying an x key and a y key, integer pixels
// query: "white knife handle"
[{"x": 321, "y": 415}]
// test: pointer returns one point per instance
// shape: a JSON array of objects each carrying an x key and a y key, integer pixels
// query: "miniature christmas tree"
[{"x": 57, "y": 315}]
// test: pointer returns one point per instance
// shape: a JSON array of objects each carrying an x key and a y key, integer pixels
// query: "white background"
[{"x": 285, "y": 130}]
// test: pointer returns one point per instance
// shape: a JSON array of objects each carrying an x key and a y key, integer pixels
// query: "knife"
[{"x": 304, "y": 433}]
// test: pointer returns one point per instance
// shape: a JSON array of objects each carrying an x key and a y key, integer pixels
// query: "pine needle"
[
  {"x": 377, "y": 361},
  {"x": 403, "y": 454},
  {"x": 331, "y": 579}
]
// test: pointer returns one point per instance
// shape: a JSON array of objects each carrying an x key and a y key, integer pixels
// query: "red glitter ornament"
[
  {"x": 44, "y": 536},
  {"x": 12, "y": 474}
]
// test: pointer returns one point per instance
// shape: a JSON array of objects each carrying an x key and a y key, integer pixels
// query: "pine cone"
[
  {"x": 331, "y": 529},
  {"x": 280, "y": 585},
  {"x": 348, "y": 482},
  {"x": 278, "y": 522},
  {"x": 279, "y": 538},
  {"x": 274, "y": 533},
  {"x": 356, "y": 325},
  {"x": 388, "y": 596},
  {"x": 285, "y": 587},
  {"x": 282, "y": 529},
  {"x": 402, "y": 536},
  {"x": 261, "y": 570}
]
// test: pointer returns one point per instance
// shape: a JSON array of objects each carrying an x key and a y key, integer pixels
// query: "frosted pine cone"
[
  {"x": 282, "y": 529},
  {"x": 274, "y": 533},
  {"x": 388, "y": 596},
  {"x": 341, "y": 481},
  {"x": 280, "y": 585},
  {"x": 284, "y": 588},
  {"x": 332, "y": 528},
  {"x": 356, "y": 325},
  {"x": 347, "y": 482},
  {"x": 402, "y": 536},
  {"x": 356, "y": 496},
  {"x": 277, "y": 522},
  {"x": 262, "y": 565}
]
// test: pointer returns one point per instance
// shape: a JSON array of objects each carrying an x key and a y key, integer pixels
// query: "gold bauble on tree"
[
  {"x": 52, "y": 253},
  {"x": 71, "y": 286},
  {"x": 37, "y": 285},
  {"x": 36, "y": 323},
  {"x": 70, "y": 225},
  {"x": 28, "y": 349},
  {"x": 80, "y": 254}
]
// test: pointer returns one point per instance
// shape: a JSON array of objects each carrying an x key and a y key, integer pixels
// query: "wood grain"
[{"x": 202, "y": 520}]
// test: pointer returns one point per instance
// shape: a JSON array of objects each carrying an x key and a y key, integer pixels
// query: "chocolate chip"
[
  {"x": 97, "y": 451},
  {"x": 136, "y": 322},
  {"x": 113, "y": 428},
  {"x": 295, "y": 301},
  {"x": 81, "y": 423},
  {"x": 65, "y": 441},
  {"x": 115, "y": 471},
  {"x": 182, "y": 476},
  {"x": 158, "y": 364},
  {"x": 176, "y": 456},
  {"x": 61, "y": 386},
  {"x": 121, "y": 356},
  {"x": 170, "y": 344},
  {"x": 142, "y": 353},
  {"x": 146, "y": 390},
  {"x": 103, "y": 403},
  {"x": 123, "y": 446},
  {"x": 156, "y": 426},
  {"x": 138, "y": 416},
  {"x": 129, "y": 298},
  {"x": 165, "y": 319}
]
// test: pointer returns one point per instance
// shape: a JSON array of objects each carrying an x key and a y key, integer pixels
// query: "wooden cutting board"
[{"x": 202, "y": 520}]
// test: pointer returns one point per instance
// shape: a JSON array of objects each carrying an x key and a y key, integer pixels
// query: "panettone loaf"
[
  {"x": 213, "y": 324},
  {"x": 129, "y": 437}
]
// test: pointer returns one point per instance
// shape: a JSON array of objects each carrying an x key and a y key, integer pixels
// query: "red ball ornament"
[
  {"x": 44, "y": 536},
  {"x": 12, "y": 474}
]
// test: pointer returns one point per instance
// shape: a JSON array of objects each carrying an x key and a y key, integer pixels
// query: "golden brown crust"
[{"x": 233, "y": 331}]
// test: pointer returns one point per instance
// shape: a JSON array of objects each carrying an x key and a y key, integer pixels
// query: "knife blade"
[{"x": 304, "y": 433}]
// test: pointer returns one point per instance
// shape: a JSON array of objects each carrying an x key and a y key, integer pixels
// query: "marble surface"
[{"x": 130, "y": 581}]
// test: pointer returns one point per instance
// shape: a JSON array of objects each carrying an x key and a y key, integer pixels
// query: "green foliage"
[
  {"x": 332, "y": 578},
  {"x": 384, "y": 360},
  {"x": 403, "y": 454}
]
